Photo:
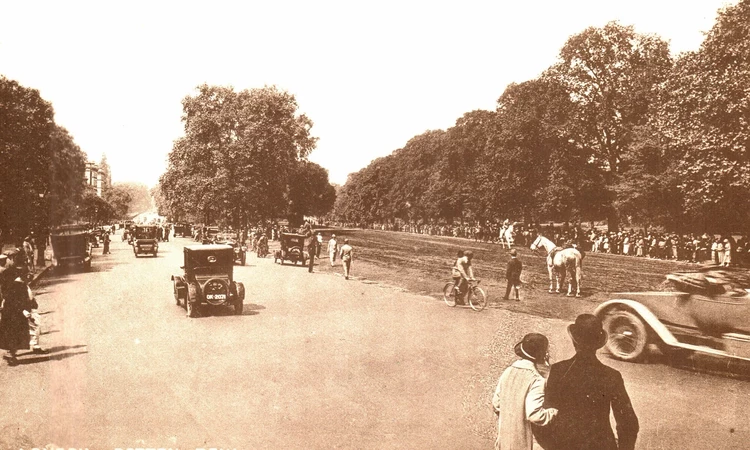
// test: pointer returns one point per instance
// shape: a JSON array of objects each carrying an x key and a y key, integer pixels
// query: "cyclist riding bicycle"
[{"x": 462, "y": 271}]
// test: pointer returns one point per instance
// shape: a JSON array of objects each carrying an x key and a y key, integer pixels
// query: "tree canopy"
[
  {"x": 239, "y": 154},
  {"x": 615, "y": 129}
]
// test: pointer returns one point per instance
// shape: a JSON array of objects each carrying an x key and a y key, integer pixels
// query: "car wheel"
[
  {"x": 627, "y": 333},
  {"x": 176, "y": 293},
  {"x": 191, "y": 302}
]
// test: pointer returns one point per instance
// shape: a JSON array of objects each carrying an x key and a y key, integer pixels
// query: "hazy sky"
[{"x": 370, "y": 74}]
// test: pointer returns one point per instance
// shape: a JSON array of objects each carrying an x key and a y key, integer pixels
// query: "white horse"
[
  {"x": 507, "y": 236},
  {"x": 560, "y": 260}
]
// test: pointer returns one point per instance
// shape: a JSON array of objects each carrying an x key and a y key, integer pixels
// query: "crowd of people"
[{"x": 721, "y": 249}]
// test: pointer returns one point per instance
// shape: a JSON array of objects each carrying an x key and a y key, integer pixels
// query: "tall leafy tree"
[
  {"x": 704, "y": 121},
  {"x": 237, "y": 154},
  {"x": 612, "y": 75},
  {"x": 42, "y": 167},
  {"x": 310, "y": 192}
]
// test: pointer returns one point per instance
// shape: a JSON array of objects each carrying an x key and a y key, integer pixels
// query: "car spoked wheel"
[
  {"x": 627, "y": 335},
  {"x": 449, "y": 294}
]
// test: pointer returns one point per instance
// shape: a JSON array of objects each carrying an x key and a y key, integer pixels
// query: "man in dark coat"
[
  {"x": 513, "y": 275},
  {"x": 584, "y": 390}
]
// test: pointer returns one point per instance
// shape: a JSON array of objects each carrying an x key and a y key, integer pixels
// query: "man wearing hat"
[
  {"x": 584, "y": 390},
  {"x": 519, "y": 396},
  {"x": 513, "y": 275},
  {"x": 346, "y": 257}
]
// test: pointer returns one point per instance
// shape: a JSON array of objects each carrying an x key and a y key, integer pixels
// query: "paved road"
[{"x": 316, "y": 362}]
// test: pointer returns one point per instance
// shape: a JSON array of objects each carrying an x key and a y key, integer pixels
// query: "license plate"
[
  {"x": 216, "y": 297},
  {"x": 146, "y": 247}
]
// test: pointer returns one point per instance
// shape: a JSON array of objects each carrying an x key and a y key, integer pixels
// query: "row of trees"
[
  {"x": 243, "y": 160},
  {"x": 615, "y": 128},
  {"x": 43, "y": 183}
]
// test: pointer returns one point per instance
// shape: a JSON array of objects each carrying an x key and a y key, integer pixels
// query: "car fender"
[
  {"x": 240, "y": 290},
  {"x": 648, "y": 317}
]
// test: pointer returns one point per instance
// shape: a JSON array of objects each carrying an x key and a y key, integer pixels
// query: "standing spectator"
[
  {"x": 319, "y": 244},
  {"x": 333, "y": 248},
  {"x": 312, "y": 251},
  {"x": 107, "y": 241},
  {"x": 584, "y": 390},
  {"x": 28, "y": 251},
  {"x": 346, "y": 257},
  {"x": 519, "y": 397},
  {"x": 513, "y": 275},
  {"x": 727, "y": 253},
  {"x": 14, "y": 325}
]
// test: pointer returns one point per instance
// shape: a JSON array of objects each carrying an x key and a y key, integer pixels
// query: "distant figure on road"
[
  {"x": 107, "y": 240},
  {"x": 28, "y": 251},
  {"x": 346, "y": 257},
  {"x": 584, "y": 390},
  {"x": 513, "y": 275},
  {"x": 319, "y": 244},
  {"x": 333, "y": 249},
  {"x": 312, "y": 250},
  {"x": 519, "y": 396}
]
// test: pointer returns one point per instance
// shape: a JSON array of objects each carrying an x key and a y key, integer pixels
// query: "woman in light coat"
[{"x": 519, "y": 396}]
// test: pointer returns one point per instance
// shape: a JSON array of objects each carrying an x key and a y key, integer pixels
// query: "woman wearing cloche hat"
[
  {"x": 519, "y": 396},
  {"x": 584, "y": 391}
]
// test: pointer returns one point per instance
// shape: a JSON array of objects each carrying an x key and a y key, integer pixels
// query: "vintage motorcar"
[
  {"x": 144, "y": 240},
  {"x": 71, "y": 245},
  {"x": 709, "y": 314},
  {"x": 208, "y": 279},
  {"x": 240, "y": 250},
  {"x": 182, "y": 229},
  {"x": 292, "y": 249}
]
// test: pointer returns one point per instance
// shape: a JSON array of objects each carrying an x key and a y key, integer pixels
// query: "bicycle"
[{"x": 475, "y": 295}]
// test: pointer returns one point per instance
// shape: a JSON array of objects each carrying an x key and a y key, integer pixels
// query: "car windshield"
[
  {"x": 210, "y": 261},
  {"x": 145, "y": 233}
]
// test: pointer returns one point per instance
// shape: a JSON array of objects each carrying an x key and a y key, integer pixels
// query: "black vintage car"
[
  {"x": 71, "y": 246},
  {"x": 182, "y": 229},
  {"x": 144, "y": 240},
  {"x": 292, "y": 249},
  {"x": 240, "y": 250},
  {"x": 208, "y": 280}
]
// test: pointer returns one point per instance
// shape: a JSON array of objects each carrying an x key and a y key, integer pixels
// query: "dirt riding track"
[{"x": 421, "y": 264}]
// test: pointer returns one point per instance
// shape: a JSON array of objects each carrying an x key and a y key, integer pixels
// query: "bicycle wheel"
[
  {"x": 449, "y": 294},
  {"x": 478, "y": 299}
]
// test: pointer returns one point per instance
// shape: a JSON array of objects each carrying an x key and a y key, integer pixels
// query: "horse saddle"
[{"x": 554, "y": 252}]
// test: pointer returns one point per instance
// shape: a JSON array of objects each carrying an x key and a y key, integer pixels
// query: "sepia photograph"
[{"x": 375, "y": 225}]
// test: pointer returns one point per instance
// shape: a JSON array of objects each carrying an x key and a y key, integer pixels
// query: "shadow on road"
[{"x": 53, "y": 354}]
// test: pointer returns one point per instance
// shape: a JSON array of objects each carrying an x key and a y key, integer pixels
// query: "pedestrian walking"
[
  {"x": 519, "y": 396},
  {"x": 312, "y": 250},
  {"x": 107, "y": 241},
  {"x": 346, "y": 257},
  {"x": 14, "y": 325},
  {"x": 333, "y": 248},
  {"x": 513, "y": 275},
  {"x": 584, "y": 391},
  {"x": 319, "y": 244}
]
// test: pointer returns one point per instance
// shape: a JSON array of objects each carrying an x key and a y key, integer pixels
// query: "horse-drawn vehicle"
[
  {"x": 71, "y": 246},
  {"x": 710, "y": 315},
  {"x": 292, "y": 249}
]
